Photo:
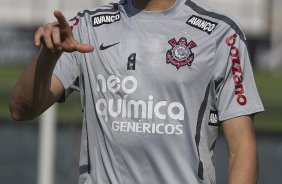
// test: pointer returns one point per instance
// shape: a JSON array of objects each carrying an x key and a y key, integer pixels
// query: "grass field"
[
  {"x": 269, "y": 85},
  {"x": 270, "y": 89}
]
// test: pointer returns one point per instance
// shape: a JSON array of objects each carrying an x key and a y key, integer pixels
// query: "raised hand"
[{"x": 58, "y": 37}]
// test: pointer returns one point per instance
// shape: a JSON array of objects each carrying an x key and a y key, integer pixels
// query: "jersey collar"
[{"x": 168, "y": 13}]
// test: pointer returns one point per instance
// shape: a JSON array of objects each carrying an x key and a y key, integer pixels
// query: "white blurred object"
[
  {"x": 47, "y": 137},
  {"x": 275, "y": 61}
]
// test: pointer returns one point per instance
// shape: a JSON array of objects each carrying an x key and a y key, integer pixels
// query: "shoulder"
[
  {"x": 109, "y": 8},
  {"x": 97, "y": 16}
]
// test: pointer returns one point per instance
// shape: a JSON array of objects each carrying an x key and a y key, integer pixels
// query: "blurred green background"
[{"x": 269, "y": 85}]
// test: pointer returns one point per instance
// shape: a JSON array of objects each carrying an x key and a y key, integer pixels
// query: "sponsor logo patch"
[
  {"x": 127, "y": 114},
  {"x": 180, "y": 54},
  {"x": 99, "y": 20},
  {"x": 202, "y": 24},
  {"x": 237, "y": 70},
  {"x": 213, "y": 118}
]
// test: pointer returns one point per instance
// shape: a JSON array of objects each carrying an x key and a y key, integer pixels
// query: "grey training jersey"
[{"x": 155, "y": 89}]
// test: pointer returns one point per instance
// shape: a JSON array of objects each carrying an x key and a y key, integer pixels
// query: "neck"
[{"x": 153, "y": 5}]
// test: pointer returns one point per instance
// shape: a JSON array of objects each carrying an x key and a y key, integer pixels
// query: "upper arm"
[
  {"x": 239, "y": 133},
  {"x": 57, "y": 88}
]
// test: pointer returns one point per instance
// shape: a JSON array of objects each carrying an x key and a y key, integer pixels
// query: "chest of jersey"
[
  {"x": 150, "y": 70},
  {"x": 158, "y": 52}
]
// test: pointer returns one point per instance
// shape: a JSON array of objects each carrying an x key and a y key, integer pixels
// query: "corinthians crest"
[{"x": 180, "y": 54}]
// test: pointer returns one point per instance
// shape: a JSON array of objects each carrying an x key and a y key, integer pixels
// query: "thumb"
[{"x": 83, "y": 48}]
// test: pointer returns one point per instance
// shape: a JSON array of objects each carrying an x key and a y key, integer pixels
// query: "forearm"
[
  {"x": 33, "y": 87},
  {"x": 242, "y": 150},
  {"x": 243, "y": 166}
]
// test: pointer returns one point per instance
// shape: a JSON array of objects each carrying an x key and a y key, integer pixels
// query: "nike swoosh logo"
[{"x": 102, "y": 47}]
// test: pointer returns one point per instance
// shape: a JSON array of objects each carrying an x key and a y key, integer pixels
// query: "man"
[{"x": 164, "y": 76}]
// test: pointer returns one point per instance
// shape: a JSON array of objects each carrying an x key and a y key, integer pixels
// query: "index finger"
[{"x": 61, "y": 19}]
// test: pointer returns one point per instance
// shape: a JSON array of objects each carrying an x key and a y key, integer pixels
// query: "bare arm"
[
  {"x": 37, "y": 89},
  {"x": 242, "y": 150},
  {"x": 33, "y": 92}
]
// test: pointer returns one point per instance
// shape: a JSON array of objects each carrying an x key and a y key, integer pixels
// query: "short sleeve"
[
  {"x": 67, "y": 69},
  {"x": 235, "y": 88}
]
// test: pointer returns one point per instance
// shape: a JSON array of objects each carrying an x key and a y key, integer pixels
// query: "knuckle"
[
  {"x": 46, "y": 30},
  {"x": 47, "y": 34},
  {"x": 48, "y": 27}
]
